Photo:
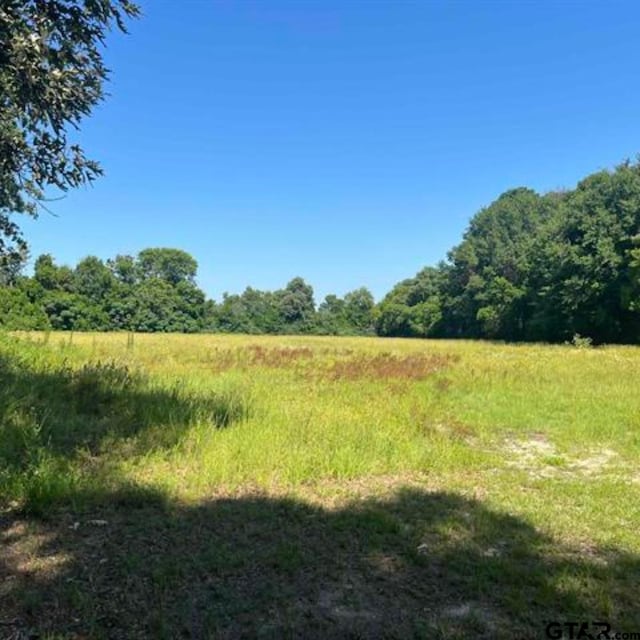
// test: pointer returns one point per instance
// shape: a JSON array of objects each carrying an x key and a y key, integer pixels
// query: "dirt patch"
[
  {"x": 528, "y": 451},
  {"x": 596, "y": 463},
  {"x": 541, "y": 458}
]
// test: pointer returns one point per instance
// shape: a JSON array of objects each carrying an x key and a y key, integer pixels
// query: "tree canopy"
[
  {"x": 529, "y": 267},
  {"x": 157, "y": 291},
  {"x": 52, "y": 75},
  {"x": 535, "y": 267}
]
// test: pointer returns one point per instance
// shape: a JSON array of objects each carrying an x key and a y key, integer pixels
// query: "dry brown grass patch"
[
  {"x": 279, "y": 357},
  {"x": 223, "y": 359},
  {"x": 258, "y": 356},
  {"x": 386, "y": 366}
]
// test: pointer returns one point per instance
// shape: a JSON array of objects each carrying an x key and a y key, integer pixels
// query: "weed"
[
  {"x": 581, "y": 342},
  {"x": 63, "y": 427}
]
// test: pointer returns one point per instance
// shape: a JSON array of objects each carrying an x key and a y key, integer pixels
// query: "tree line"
[
  {"x": 529, "y": 267},
  {"x": 156, "y": 291},
  {"x": 536, "y": 268}
]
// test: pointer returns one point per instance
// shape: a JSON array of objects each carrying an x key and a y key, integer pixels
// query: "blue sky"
[{"x": 346, "y": 142}]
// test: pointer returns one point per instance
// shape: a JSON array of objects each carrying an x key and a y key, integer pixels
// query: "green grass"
[{"x": 315, "y": 487}]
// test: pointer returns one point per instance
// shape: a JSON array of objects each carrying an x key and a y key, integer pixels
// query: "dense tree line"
[
  {"x": 535, "y": 267},
  {"x": 529, "y": 267},
  {"x": 156, "y": 291}
]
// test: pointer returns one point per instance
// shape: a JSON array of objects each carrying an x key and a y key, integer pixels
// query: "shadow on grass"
[
  {"x": 414, "y": 565},
  {"x": 130, "y": 564},
  {"x": 63, "y": 429}
]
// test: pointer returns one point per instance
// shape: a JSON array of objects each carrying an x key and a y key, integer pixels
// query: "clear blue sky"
[{"x": 347, "y": 142}]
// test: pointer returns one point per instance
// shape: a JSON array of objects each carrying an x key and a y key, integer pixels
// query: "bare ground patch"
[{"x": 541, "y": 458}]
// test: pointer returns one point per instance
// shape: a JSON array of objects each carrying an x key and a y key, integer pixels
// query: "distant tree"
[
  {"x": 11, "y": 265},
  {"x": 50, "y": 276},
  {"x": 161, "y": 307},
  {"x": 358, "y": 310},
  {"x": 51, "y": 77},
  {"x": 191, "y": 300},
  {"x": 210, "y": 318},
  {"x": 93, "y": 279},
  {"x": 171, "y": 265},
  {"x": 155, "y": 306},
  {"x": 260, "y": 311},
  {"x": 585, "y": 267},
  {"x": 332, "y": 305},
  {"x": 297, "y": 306},
  {"x": 529, "y": 267},
  {"x": 229, "y": 316},
  {"x": 124, "y": 269},
  {"x": 331, "y": 318},
  {"x": 252, "y": 312},
  {"x": 631, "y": 291},
  {"x": 18, "y": 312},
  {"x": 121, "y": 305},
  {"x": 31, "y": 288},
  {"x": 533, "y": 267},
  {"x": 73, "y": 312},
  {"x": 395, "y": 319},
  {"x": 413, "y": 308},
  {"x": 158, "y": 295},
  {"x": 486, "y": 286}
]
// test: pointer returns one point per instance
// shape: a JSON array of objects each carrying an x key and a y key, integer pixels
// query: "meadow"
[{"x": 210, "y": 486}]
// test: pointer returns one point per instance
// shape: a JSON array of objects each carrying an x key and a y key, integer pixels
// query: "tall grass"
[
  {"x": 528, "y": 426},
  {"x": 67, "y": 424},
  {"x": 233, "y": 486}
]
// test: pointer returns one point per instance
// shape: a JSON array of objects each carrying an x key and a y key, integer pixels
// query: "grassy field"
[{"x": 168, "y": 486}]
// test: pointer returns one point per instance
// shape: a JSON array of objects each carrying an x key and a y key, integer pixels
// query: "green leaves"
[
  {"x": 534, "y": 267},
  {"x": 413, "y": 308},
  {"x": 171, "y": 265},
  {"x": 51, "y": 76}
]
